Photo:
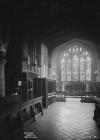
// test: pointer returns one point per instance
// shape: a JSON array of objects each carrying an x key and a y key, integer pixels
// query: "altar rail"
[{"x": 90, "y": 94}]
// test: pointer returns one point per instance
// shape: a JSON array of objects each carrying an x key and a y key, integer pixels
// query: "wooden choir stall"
[{"x": 32, "y": 96}]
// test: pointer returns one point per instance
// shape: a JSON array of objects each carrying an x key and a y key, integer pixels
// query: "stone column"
[{"x": 2, "y": 71}]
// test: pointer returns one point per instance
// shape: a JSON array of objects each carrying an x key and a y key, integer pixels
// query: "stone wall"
[{"x": 56, "y": 56}]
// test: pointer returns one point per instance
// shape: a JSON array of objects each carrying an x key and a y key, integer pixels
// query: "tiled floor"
[{"x": 70, "y": 120}]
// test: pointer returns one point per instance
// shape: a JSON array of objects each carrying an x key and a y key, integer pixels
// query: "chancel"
[
  {"x": 49, "y": 70},
  {"x": 74, "y": 65}
]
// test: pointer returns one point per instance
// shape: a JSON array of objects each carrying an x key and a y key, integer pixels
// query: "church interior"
[{"x": 50, "y": 69}]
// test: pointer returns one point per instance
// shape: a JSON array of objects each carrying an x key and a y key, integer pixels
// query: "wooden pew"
[{"x": 51, "y": 98}]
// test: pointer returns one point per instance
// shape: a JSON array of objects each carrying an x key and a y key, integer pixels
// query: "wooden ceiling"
[
  {"x": 55, "y": 19},
  {"x": 51, "y": 7}
]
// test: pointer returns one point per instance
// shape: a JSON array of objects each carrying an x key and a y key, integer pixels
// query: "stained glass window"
[
  {"x": 76, "y": 65},
  {"x": 70, "y": 50},
  {"x": 73, "y": 50},
  {"x": 82, "y": 69},
  {"x": 80, "y": 49},
  {"x": 88, "y": 68},
  {"x": 76, "y": 50},
  {"x": 68, "y": 69},
  {"x": 75, "y": 68},
  {"x": 63, "y": 74}
]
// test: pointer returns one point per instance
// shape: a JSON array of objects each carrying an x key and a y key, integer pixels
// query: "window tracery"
[{"x": 76, "y": 65}]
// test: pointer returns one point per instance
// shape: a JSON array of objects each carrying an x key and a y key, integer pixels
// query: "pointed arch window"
[
  {"x": 68, "y": 69},
  {"x": 82, "y": 69},
  {"x": 88, "y": 68},
  {"x": 76, "y": 65},
  {"x": 63, "y": 73}
]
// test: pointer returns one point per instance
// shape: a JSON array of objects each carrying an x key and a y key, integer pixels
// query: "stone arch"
[{"x": 56, "y": 54}]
